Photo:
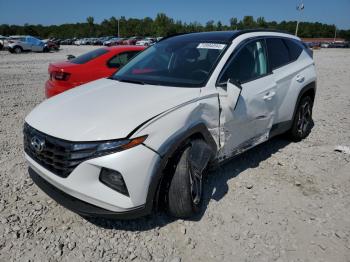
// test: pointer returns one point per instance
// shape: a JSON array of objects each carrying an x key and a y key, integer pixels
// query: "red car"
[{"x": 98, "y": 63}]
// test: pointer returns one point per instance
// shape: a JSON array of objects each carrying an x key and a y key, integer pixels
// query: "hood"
[{"x": 105, "y": 109}]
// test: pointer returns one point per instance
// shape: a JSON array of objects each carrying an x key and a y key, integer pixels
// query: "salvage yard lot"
[{"x": 281, "y": 201}]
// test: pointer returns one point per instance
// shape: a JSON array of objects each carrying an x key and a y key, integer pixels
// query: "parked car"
[
  {"x": 115, "y": 41},
  {"x": 67, "y": 42},
  {"x": 18, "y": 44},
  {"x": 52, "y": 44},
  {"x": 77, "y": 42},
  {"x": 98, "y": 63},
  {"x": 148, "y": 41},
  {"x": 132, "y": 40},
  {"x": 339, "y": 45},
  {"x": 99, "y": 41},
  {"x": 2, "y": 41},
  {"x": 145, "y": 137}
]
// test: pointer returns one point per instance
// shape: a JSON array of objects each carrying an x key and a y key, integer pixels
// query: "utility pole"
[
  {"x": 300, "y": 8},
  {"x": 118, "y": 28},
  {"x": 335, "y": 33}
]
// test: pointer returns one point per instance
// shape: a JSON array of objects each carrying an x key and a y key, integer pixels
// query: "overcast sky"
[{"x": 63, "y": 11}]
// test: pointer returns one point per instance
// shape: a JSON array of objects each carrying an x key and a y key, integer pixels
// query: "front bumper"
[
  {"x": 81, "y": 207},
  {"x": 137, "y": 166}
]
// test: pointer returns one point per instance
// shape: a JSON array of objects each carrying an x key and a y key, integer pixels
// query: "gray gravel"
[{"x": 278, "y": 202}]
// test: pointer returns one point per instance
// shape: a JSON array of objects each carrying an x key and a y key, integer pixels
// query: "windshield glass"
[
  {"x": 173, "y": 62},
  {"x": 89, "y": 56}
]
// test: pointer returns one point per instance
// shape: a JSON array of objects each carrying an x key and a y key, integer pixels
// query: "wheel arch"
[
  {"x": 18, "y": 47},
  {"x": 171, "y": 148},
  {"x": 307, "y": 90}
]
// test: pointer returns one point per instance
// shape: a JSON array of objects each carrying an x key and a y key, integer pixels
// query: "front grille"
[{"x": 57, "y": 155}]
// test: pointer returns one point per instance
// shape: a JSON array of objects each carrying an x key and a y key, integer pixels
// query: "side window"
[
  {"x": 121, "y": 59},
  {"x": 250, "y": 63},
  {"x": 294, "y": 49},
  {"x": 278, "y": 52}
]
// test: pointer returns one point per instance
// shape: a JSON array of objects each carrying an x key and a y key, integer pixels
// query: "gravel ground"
[{"x": 281, "y": 201}]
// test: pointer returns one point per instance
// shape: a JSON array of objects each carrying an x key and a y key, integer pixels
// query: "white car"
[
  {"x": 78, "y": 42},
  {"x": 144, "y": 137},
  {"x": 2, "y": 41},
  {"x": 148, "y": 41}
]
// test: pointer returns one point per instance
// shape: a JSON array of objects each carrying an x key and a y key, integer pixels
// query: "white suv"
[{"x": 145, "y": 136}]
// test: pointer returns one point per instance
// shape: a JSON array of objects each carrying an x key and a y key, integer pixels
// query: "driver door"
[{"x": 247, "y": 120}]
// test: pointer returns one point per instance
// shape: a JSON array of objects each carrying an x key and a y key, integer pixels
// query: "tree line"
[{"x": 163, "y": 25}]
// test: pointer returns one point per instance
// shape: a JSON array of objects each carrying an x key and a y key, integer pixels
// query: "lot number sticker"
[{"x": 211, "y": 46}]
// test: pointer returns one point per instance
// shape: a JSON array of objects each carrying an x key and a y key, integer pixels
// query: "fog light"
[{"x": 114, "y": 180}]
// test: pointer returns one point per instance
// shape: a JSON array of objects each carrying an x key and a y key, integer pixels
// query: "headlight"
[{"x": 96, "y": 149}]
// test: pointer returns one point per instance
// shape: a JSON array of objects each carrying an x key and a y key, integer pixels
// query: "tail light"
[{"x": 60, "y": 76}]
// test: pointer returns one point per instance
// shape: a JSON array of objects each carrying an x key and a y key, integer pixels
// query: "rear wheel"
[
  {"x": 185, "y": 190},
  {"x": 302, "y": 122}
]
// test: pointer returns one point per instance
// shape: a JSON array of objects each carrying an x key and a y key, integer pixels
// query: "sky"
[{"x": 71, "y": 11}]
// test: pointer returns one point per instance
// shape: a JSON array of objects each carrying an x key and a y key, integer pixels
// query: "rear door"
[
  {"x": 283, "y": 55},
  {"x": 248, "y": 122}
]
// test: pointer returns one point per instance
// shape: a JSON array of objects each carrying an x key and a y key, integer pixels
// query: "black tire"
[
  {"x": 302, "y": 122},
  {"x": 17, "y": 49},
  {"x": 181, "y": 200},
  {"x": 1, "y": 46},
  {"x": 46, "y": 49}
]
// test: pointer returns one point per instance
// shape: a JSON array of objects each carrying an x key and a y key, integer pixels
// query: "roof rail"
[
  {"x": 246, "y": 31},
  {"x": 235, "y": 33}
]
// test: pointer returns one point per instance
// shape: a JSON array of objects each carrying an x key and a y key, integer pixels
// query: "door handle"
[
  {"x": 300, "y": 78},
  {"x": 269, "y": 95}
]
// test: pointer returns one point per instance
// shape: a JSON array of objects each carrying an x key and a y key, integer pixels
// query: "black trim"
[
  {"x": 280, "y": 128},
  {"x": 78, "y": 206}
]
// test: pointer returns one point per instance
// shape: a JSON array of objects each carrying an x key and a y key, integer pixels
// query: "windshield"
[{"x": 173, "y": 62}]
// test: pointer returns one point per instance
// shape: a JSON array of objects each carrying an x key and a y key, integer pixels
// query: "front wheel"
[
  {"x": 185, "y": 190},
  {"x": 302, "y": 123},
  {"x": 17, "y": 50}
]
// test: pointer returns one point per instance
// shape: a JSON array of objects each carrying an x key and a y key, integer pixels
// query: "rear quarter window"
[
  {"x": 89, "y": 56},
  {"x": 278, "y": 52},
  {"x": 294, "y": 49},
  {"x": 121, "y": 59}
]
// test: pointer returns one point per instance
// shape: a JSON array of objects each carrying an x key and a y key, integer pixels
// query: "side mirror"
[
  {"x": 234, "y": 89},
  {"x": 70, "y": 57}
]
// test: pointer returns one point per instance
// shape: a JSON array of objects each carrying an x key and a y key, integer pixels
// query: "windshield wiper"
[{"x": 131, "y": 81}]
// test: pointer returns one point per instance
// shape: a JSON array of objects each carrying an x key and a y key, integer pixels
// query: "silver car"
[{"x": 18, "y": 44}]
